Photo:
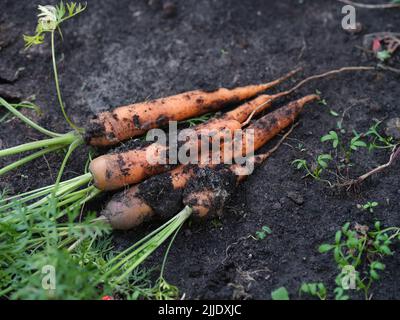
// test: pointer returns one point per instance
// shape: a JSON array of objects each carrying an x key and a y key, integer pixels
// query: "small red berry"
[{"x": 107, "y": 298}]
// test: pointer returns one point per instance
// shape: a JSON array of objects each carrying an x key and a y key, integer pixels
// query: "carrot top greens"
[
  {"x": 50, "y": 19},
  {"x": 81, "y": 253}
]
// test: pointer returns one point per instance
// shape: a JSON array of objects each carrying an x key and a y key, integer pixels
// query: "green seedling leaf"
[
  {"x": 352, "y": 243},
  {"x": 339, "y": 294},
  {"x": 331, "y": 136},
  {"x": 346, "y": 227},
  {"x": 260, "y": 235},
  {"x": 374, "y": 275},
  {"x": 322, "y": 160},
  {"x": 323, "y": 102},
  {"x": 383, "y": 55},
  {"x": 377, "y": 265},
  {"x": 338, "y": 237},
  {"x": 299, "y": 163},
  {"x": 385, "y": 250},
  {"x": 323, "y": 248},
  {"x": 280, "y": 294},
  {"x": 266, "y": 229}
]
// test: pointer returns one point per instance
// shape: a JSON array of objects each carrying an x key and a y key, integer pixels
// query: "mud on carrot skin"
[
  {"x": 116, "y": 170},
  {"x": 162, "y": 195}
]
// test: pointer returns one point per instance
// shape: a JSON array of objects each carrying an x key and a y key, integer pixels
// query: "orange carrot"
[
  {"x": 114, "y": 171},
  {"x": 270, "y": 125},
  {"x": 133, "y": 120}
]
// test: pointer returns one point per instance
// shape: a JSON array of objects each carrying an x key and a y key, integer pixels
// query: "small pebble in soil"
[
  {"x": 169, "y": 9},
  {"x": 243, "y": 43},
  {"x": 392, "y": 128},
  {"x": 295, "y": 197},
  {"x": 276, "y": 206}
]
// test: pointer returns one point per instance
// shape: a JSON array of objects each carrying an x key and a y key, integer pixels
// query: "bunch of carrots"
[
  {"x": 121, "y": 169},
  {"x": 117, "y": 170},
  {"x": 148, "y": 189}
]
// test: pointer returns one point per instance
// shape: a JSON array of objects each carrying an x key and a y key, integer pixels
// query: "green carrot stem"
[
  {"x": 94, "y": 193},
  {"x": 65, "y": 189},
  {"x": 60, "y": 101},
  {"x": 167, "y": 251},
  {"x": 126, "y": 251},
  {"x": 71, "y": 149},
  {"x": 63, "y": 140},
  {"x": 27, "y": 159},
  {"x": 28, "y": 121},
  {"x": 33, "y": 194},
  {"x": 146, "y": 246}
]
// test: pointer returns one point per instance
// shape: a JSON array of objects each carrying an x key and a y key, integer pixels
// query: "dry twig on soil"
[{"x": 394, "y": 155}]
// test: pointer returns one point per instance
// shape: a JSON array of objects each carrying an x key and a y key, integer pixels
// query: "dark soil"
[{"x": 124, "y": 51}]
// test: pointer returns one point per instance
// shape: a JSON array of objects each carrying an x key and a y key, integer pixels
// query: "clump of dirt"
[
  {"x": 208, "y": 190},
  {"x": 95, "y": 129},
  {"x": 158, "y": 191}
]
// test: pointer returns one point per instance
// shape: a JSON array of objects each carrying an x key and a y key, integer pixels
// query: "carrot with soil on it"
[
  {"x": 71, "y": 195},
  {"x": 116, "y": 126},
  {"x": 116, "y": 170},
  {"x": 162, "y": 194},
  {"x": 74, "y": 139},
  {"x": 134, "y": 120}
]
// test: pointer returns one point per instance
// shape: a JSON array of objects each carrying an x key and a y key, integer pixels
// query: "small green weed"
[
  {"x": 369, "y": 206},
  {"x": 314, "y": 289},
  {"x": 280, "y": 294},
  {"x": 262, "y": 234},
  {"x": 358, "y": 253}
]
